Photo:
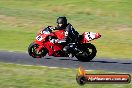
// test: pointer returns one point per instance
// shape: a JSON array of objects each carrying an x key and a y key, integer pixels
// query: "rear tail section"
[{"x": 88, "y": 36}]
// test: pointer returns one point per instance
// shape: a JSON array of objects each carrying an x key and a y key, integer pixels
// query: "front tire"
[
  {"x": 88, "y": 52},
  {"x": 32, "y": 50}
]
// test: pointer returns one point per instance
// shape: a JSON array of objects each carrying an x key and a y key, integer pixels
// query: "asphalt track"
[{"x": 114, "y": 65}]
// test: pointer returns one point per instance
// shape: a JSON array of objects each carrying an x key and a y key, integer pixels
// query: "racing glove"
[
  {"x": 57, "y": 41},
  {"x": 54, "y": 40},
  {"x": 51, "y": 27}
]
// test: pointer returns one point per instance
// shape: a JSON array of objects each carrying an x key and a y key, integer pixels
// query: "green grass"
[
  {"x": 21, "y": 20},
  {"x": 19, "y": 76}
]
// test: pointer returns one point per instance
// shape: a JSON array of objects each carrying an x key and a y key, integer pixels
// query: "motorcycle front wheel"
[
  {"x": 88, "y": 52},
  {"x": 32, "y": 51}
]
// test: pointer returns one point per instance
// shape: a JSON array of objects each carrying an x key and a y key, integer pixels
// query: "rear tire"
[
  {"x": 33, "y": 52},
  {"x": 88, "y": 52}
]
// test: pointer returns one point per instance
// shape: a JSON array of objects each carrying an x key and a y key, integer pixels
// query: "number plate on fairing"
[{"x": 39, "y": 38}]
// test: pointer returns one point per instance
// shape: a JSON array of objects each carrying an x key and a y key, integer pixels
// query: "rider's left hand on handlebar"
[{"x": 52, "y": 28}]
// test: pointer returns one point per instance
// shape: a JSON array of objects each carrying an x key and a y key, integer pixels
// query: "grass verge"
[{"x": 19, "y": 76}]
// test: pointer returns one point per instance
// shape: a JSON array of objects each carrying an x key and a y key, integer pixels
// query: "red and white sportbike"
[{"x": 82, "y": 49}]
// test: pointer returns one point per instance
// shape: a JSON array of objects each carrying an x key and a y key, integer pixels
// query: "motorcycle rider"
[{"x": 70, "y": 35}]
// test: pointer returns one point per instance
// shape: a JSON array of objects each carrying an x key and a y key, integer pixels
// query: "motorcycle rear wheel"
[
  {"x": 88, "y": 52},
  {"x": 32, "y": 50}
]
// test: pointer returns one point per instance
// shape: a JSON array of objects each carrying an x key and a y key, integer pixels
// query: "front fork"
[{"x": 39, "y": 47}]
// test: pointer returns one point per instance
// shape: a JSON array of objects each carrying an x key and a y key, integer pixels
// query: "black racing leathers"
[{"x": 70, "y": 33}]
